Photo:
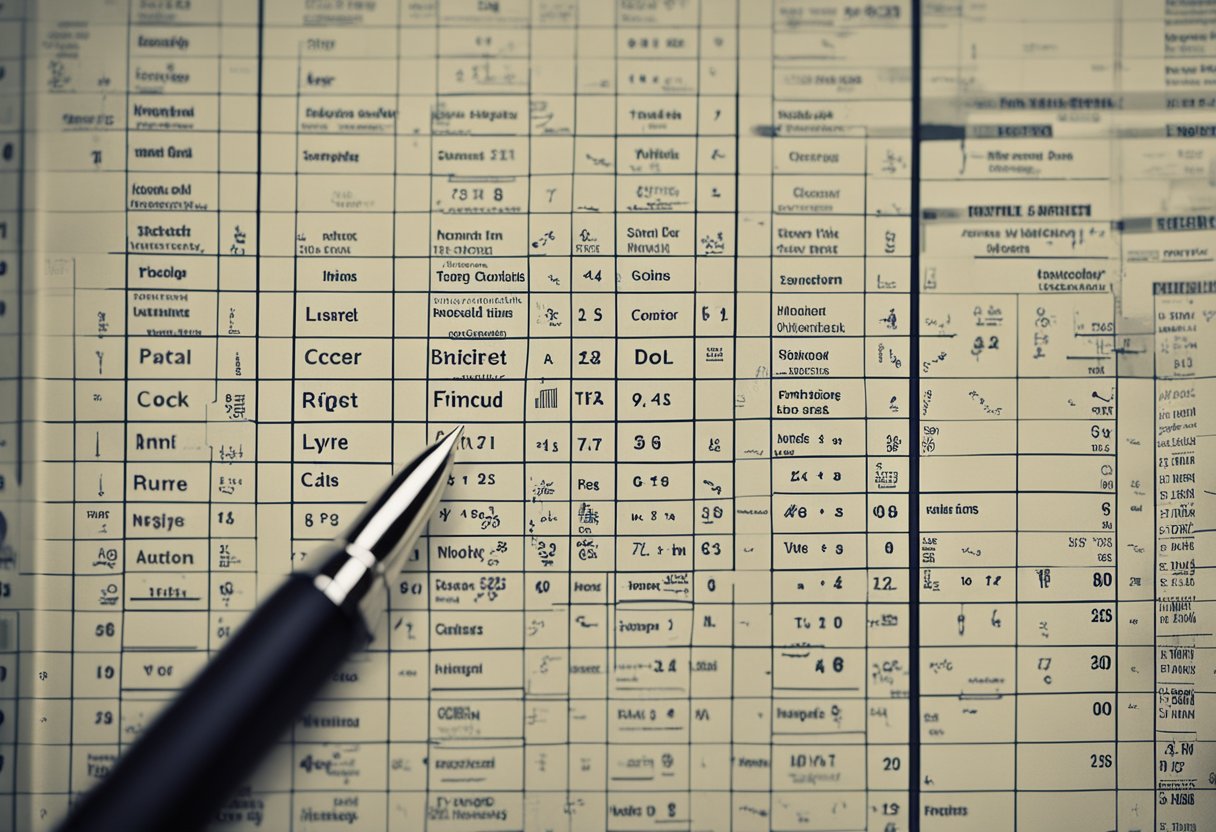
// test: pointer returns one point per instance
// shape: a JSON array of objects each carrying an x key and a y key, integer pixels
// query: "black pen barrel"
[{"x": 190, "y": 759}]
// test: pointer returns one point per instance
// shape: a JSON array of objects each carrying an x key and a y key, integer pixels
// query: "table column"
[
  {"x": 652, "y": 615},
  {"x": 232, "y": 413},
  {"x": 278, "y": 146},
  {"x": 1183, "y": 312},
  {"x": 408, "y": 629},
  {"x": 711, "y": 665},
  {"x": 549, "y": 484},
  {"x": 1135, "y": 579},
  {"x": 592, "y": 404},
  {"x": 1066, "y": 558},
  {"x": 480, "y": 319},
  {"x": 751, "y": 686},
  {"x": 968, "y": 478},
  {"x": 342, "y": 364},
  {"x": 172, "y": 320},
  {"x": 889, "y": 241},
  {"x": 67, "y": 717},
  {"x": 233, "y": 410},
  {"x": 1032, "y": 209}
]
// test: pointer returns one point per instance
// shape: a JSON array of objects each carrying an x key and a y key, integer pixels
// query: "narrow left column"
[
  {"x": 68, "y": 716},
  {"x": 173, "y": 412}
]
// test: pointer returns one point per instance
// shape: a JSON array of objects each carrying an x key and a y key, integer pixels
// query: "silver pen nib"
[{"x": 373, "y": 547}]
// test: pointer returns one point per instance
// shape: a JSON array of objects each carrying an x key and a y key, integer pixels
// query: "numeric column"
[
  {"x": 712, "y": 663},
  {"x": 593, "y": 406}
]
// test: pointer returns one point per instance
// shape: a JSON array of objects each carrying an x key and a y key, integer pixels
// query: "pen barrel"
[{"x": 187, "y": 763}]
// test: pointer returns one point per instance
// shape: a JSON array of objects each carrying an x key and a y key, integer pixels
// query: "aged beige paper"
[{"x": 838, "y": 382}]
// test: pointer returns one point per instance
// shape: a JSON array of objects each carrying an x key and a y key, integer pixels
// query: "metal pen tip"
[
  {"x": 373, "y": 548},
  {"x": 396, "y": 517},
  {"x": 448, "y": 443}
]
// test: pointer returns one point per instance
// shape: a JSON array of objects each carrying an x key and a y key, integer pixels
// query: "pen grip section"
[{"x": 188, "y": 761}]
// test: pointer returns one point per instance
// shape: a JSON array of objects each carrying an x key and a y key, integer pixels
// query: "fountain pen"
[{"x": 181, "y": 769}]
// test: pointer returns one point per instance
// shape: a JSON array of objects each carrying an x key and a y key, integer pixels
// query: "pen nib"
[{"x": 393, "y": 520}]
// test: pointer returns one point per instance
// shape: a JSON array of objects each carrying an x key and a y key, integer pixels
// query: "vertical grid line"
[
  {"x": 209, "y": 500},
  {"x": 426, "y": 406},
  {"x": 523, "y": 404},
  {"x": 1115, "y": 549},
  {"x": 770, "y": 417},
  {"x": 914, "y": 433},
  {"x": 570, "y": 511},
  {"x": 126, "y": 353},
  {"x": 295, "y": 289},
  {"x": 696, "y": 215},
  {"x": 1017, "y": 536},
  {"x": 22, "y": 62},
  {"x": 865, "y": 410},
  {"x": 392, "y": 405},
  {"x": 19, "y": 257},
  {"x": 75, "y": 497},
  {"x": 1156, "y": 603},
  {"x": 257, "y": 296},
  {"x": 611, "y": 586},
  {"x": 734, "y": 388}
]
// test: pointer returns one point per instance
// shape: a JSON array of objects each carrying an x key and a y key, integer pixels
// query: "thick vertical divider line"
[
  {"x": 19, "y": 516},
  {"x": 126, "y": 358},
  {"x": 914, "y": 431},
  {"x": 19, "y": 280},
  {"x": 257, "y": 296}
]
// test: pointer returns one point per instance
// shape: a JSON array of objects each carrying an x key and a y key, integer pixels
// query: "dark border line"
[
  {"x": 19, "y": 257},
  {"x": 19, "y": 512},
  {"x": 914, "y": 775}
]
